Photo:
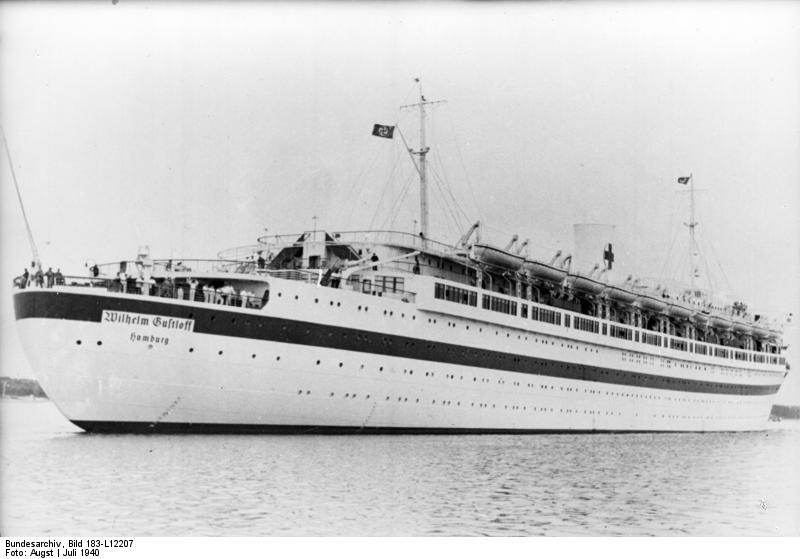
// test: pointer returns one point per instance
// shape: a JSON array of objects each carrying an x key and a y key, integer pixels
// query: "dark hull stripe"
[
  {"x": 224, "y": 322},
  {"x": 135, "y": 427}
]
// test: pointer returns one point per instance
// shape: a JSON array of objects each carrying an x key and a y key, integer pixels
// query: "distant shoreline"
[
  {"x": 16, "y": 388},
  {"x": 21, "y": 388}
]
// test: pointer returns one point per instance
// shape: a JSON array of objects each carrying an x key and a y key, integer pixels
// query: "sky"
[{"x": 193, "y": 128}]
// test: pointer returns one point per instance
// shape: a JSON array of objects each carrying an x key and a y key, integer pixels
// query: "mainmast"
[
  {"x": 421, "y": 154},
  {"x": 692, "y": 225}
]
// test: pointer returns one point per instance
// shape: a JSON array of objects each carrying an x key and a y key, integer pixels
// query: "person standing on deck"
[
  {"x": 26, "y": 276},
  {"x": 208, "y": 292},
  {"x": 192, "y": 288},
  {"x": 49, "y": 275}
]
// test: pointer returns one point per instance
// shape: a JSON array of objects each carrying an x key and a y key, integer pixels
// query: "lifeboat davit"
[
  {"x": 544, "y": 271},
  {"x": 494, "y": 256}
]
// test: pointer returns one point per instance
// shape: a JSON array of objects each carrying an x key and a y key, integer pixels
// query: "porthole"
[
  {"x": 191, "y": 349},
  {"x": 78, "y": 342},
  {"x": 219, "y": 352},
  {"x": 99, "y": 342},
  {"x": 317, "y": 361},
  {"x": 253, "y": 356}
]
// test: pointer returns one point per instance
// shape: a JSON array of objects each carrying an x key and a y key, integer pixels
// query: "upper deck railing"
[
  {"x": 165, "y": 266},
  {"x": 395, "y": 238}
]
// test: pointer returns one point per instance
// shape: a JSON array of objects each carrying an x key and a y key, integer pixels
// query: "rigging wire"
[
  {"x": 395, "y": 207},
  {"x": 449, "y": 208},
  {"x": 354, "y": 185},
  {"x": 464, "y": 167},
  {"x": 369, "y": 164},
  {"x": 34, "y": 249},
  {"x": 449, "y": 190},
  {"x": 452, "y": 220},
  {"x": 384, "y": 190}
]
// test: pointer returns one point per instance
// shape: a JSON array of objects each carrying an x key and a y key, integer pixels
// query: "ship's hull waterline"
[{"x": 126, "y": 363}]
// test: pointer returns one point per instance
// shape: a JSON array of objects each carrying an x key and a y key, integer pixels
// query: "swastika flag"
[{"x": 383, "y": 131}]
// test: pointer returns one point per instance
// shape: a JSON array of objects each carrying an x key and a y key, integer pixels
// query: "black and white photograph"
[{"x": 403, "y": 269}]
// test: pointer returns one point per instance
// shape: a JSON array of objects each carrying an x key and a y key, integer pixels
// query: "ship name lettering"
[
  {"x": 134, "y": 319},
  {"x": 149, "y": 338}
]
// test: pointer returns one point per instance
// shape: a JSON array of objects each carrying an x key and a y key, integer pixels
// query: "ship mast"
[
  {"x": 421, "y": 154},
  {"x": 691, "y": 225}
]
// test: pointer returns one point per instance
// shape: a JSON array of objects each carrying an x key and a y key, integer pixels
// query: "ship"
[{"x": 385, "y": 331}]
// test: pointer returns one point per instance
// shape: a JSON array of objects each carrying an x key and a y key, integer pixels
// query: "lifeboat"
[
  {"x": 701, "y": 318},
  {"x": 587, "y": 285},
  {"x": 652, "y": 304},
  {"x": 494, "y": 256},
  {"x": 622, "y": 295},
  {"x": 544, "y": 271},
  {"x": 679, "y": 311},
  {"x": 742, "y": 328},
  {"x": 721, "y": 322},
  {"x": 760, "y": 331}
]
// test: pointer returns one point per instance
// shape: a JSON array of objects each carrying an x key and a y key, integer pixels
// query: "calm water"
[{"x": 58, "y": 481}]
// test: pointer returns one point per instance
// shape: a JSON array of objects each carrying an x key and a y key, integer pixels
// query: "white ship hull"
[{"x": 328, "y": 376}]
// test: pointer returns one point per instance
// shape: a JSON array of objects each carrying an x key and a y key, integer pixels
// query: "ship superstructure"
[{"x": 386, "y": 331}]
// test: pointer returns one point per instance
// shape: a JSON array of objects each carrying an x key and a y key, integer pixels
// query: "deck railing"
[{"x": 164, "y": 290}]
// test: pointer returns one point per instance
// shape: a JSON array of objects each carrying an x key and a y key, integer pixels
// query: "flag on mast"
[
  {"x": 683, "y": 180},
  {"x": 383, "y": 131}
]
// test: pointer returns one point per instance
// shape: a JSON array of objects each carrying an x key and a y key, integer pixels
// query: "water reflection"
[{"x": 56, "y": 481}]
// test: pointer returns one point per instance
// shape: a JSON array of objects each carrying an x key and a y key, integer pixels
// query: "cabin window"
[
  {"x": 389, "y": 284},
  {"x": 621, "y": 332},
  {"x": 366, "y": 286},
  {"x": 586, "y": 324},
  {"x": 455, "y": 294},
  {"x": 499, "y": 304},
  {"x": 545, "y": 315},
  {"x": 524, "y": 311},
  {"x": 677, "y": 344}
]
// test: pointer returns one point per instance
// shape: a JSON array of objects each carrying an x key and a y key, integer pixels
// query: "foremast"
[{"x": 421, "y": 155}]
